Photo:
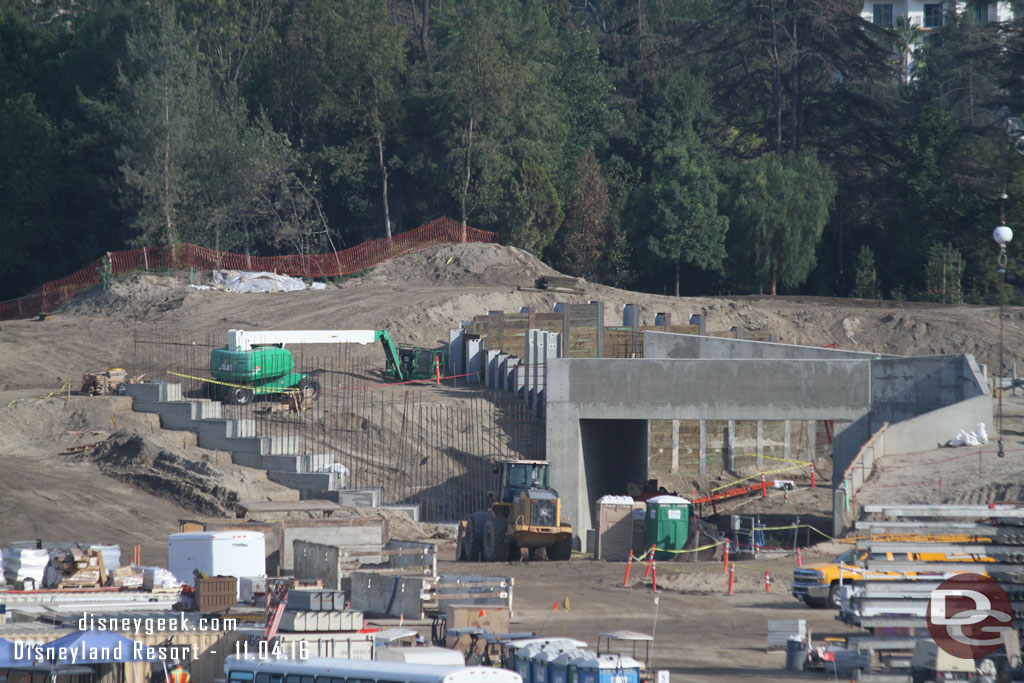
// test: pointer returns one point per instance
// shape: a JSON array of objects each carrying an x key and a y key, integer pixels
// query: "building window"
[
  {"x": 980, "y": 12},
  {"x": 933, "y": 15},
  {"x": 882, "y": 13}
]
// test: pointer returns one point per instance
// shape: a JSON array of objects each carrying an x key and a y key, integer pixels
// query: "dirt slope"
[{"x": 418, "y": 297}]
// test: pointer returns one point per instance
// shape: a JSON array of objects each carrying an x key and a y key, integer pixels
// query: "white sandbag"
[
  {"x": 964, "y": 438},
  {"x": 981, "y": 433}
]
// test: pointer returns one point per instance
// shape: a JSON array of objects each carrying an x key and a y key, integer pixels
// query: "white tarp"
[
  {"x": 158, "y": 577},
  {"x": 111, "y": 556},
  {"x": 976, "y": 438},
  {"x": 26, "y": 564},
  {"x": 245, "y": 281}
]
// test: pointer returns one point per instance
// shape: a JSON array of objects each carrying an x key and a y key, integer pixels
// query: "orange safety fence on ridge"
[{"x": 353, "y": 260}]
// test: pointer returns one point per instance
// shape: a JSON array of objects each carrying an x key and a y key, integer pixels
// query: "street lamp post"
[{"x": 1002, "y": 235}]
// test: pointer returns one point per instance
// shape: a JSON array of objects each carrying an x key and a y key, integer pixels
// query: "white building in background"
[{"x": 930, "y": 14}]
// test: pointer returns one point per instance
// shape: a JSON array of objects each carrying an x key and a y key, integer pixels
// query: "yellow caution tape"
[
  {"x": 228, "y": 384},
  {"x": 63, "y": 388},
  {"x": 755, "y": 476}
]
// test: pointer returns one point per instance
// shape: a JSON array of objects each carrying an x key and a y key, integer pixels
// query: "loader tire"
[
  {"x": 475, "y": 535},
  {"x": 561, "y": 551},
  {"x": 495, "y": 545}
]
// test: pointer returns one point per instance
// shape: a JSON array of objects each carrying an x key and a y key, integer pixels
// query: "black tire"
[
  {"x": 239, "y": 396},
  {"x": 496, "y": 548},
  {"x": 561, "y": 551},
  {"x": 835, "y": 598},
  {"x": 309, "y": 383},
  {"x": 475, "y": 535}
]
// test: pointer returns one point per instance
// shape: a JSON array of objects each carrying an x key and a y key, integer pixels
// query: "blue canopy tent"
[
  {"x": 26, "y": 664},
  {"x": 6, "y": 654},
  {"x": 99, "y": 647}
]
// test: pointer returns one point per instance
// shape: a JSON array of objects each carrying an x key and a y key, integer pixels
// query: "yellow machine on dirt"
[{"x": 525, "y": 513}]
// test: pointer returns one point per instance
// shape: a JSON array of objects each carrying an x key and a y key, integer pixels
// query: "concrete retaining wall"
[
  {"x": 919, "y": 397},
  {"x": 281, "y": 456},
  {"x": 680, "y": 346}
]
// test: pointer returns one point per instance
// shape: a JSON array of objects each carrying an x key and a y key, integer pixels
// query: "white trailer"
[{"x": 216, "y": 553}]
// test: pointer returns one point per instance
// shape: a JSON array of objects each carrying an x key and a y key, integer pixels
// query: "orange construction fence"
[{"x": 358, "y": 258}]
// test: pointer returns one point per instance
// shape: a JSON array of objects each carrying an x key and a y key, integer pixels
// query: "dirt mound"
[
  {"x": 134, "y": 296},
  {"x": 473, "y": 263},
  {"x": 198, "y": 483}
]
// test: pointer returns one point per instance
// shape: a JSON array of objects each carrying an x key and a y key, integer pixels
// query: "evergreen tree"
[
  {"x": 866, "y": 284},
  {"x": 778, "y": 214}
]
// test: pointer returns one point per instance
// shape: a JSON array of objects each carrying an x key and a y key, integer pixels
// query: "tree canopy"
[{"x": 678, "y": 146}]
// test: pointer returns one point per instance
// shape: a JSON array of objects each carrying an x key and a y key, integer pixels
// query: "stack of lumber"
[
  {"x": 568, "y": 285},
  {"x": 96, "y": 383},
  {"x": 79, "y": 569}
]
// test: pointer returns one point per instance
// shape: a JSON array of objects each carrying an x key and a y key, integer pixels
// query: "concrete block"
[
  {"x": 389, "y": 596},
  {"x": 474, "y": 360},
  {"x": 284, "y": 463},
  {"x": 309, "y": 485},
  {"x": 176, "y": 416},
  {"x": 245, "y": 459},
  {"x": 155, "y": 392},
  {"x": 456, "y": 351},
  {"x": 308, "y": 541},
  {"x": 502, "y": 370},
  {"x": 358, "y": 498}
]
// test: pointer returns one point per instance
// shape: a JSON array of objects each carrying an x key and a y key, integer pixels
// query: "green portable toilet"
[{"x": 668, "y": 524}]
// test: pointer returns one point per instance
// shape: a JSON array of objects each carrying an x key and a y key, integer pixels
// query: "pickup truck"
[{"x": 817, "y": 585}]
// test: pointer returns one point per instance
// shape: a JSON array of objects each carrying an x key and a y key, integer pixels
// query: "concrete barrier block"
[
  {"x": 283, "y": 463},
  {"x": 154, "y": 392},
  {"x": 308, "y": 484}
]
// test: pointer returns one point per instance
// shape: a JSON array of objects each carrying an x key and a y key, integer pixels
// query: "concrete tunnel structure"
[{"x": 597, "y": 410}]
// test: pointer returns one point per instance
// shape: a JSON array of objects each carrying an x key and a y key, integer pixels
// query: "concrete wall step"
[
  {"x": 155, "y": 392},
  {"x": 309, "y": 485},
  {"x": 280, "y": 456}
]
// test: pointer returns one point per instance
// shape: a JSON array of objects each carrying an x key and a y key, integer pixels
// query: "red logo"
[{"x": 967, "y": 615}]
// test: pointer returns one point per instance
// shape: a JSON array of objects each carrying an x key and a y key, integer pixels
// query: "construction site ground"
[{"x": 141, "y": 480}]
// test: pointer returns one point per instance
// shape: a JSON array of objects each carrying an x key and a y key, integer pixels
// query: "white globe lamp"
[{"x": 1002, "y": 235}]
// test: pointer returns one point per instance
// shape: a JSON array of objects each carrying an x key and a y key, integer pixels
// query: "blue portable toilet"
[
  {"x": 523, "y": 650},
  {"x": 540, "y": 662},
  {"x": 563, "y": 667},
  {"x": 608, "y": 669},
  {"x": 522, "y": 660}
]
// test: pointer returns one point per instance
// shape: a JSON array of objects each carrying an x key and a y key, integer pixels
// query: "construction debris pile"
[{"x": 113, "y": 381}]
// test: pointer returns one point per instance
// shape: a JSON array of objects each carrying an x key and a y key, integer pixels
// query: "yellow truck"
[{"x": 817, "y": 585}]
